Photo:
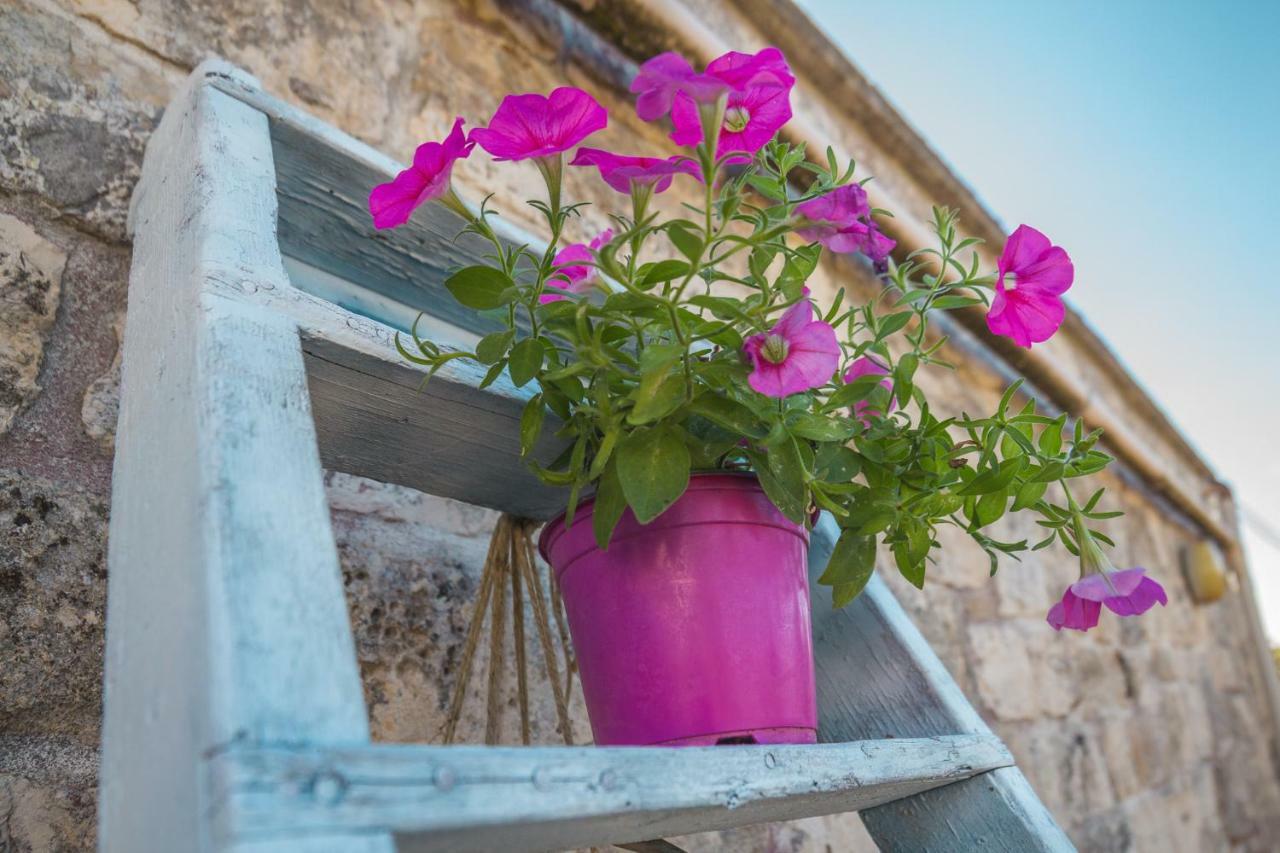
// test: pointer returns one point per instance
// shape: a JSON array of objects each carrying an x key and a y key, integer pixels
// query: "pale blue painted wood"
[
  {"x": 444, "y": 798},
  {"x": 227, "y": 622},
  {"x": 877, "y": 678}
]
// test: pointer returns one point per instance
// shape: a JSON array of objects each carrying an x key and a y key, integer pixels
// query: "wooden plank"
[
  {"x": 226, "y": 620},
  {"x": 447, "y": 798},
  {"x": 324, "y": 178},
  {"x": 877, "y": 677}
]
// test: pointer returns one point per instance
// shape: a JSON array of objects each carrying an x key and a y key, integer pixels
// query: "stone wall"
[{"x": 1146, "y": 735}]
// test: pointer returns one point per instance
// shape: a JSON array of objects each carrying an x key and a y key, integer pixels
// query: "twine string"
[{"x": 511, "y": 553}]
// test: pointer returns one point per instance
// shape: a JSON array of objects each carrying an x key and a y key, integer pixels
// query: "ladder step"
[{"x": 442, "y": 798}]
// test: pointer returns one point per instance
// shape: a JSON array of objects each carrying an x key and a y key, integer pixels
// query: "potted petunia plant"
[{"x": 708, "y": 408}]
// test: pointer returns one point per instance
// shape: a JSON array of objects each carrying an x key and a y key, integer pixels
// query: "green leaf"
[
  {"x": 609, "y": 505},
  {"x": 656, "y": 358},
  {"x": 481, "y": 287},
  {"x": 821, "y": 427},
  {"x": 886, "y": 326},
  {"x": 835, "y": 463},
  {"x": 912, "y": 570},
  {"x": 903, "y": 374},
  {"x": 531, "y": 420},
  {"x": 796, "y": 271},
  {"x": 946, "y": 303},
  {"x": 651, "y": 274},
  {"x": 782, "y": 476},
  {"x": 658, "y": 395},
  {"x": 494, "y": 346},
  {"x": 989, "y": 509},
  {"x": 526, "y": 361},
  {"x": 1028, "y": 495},
  {"x": 852, "y": 563},
  {"x": 1051, "y": 437},
  {"x": 729, "y": 414},
  {"x": 653, "y": 468},
  {"x": 853, "y": 392},
  {"x": 689, "y": 244},
  {"x": 994, "y": 479}
]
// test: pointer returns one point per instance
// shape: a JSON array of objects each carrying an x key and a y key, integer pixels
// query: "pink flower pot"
[{"x": 692, "y": 630}]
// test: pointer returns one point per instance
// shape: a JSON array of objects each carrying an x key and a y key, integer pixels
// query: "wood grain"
[
  {"x": 226, "y": 616},
  {"x": 439, "y": 798}
]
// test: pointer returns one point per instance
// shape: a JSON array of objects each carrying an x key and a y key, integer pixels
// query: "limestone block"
[
  {"x": 1065, "y": 762},
  {"x": 843, "y": 832},
  {"x": 47, "y": 794},
  {"x": 411, "y": 566},
  {"x": 72, "y": 129},
  {"x": 1022, "y": 668},
  {"x": 30, "y": 289},
  {"x": 101, "y": 404},
  {"x": 52, "y": 596}
]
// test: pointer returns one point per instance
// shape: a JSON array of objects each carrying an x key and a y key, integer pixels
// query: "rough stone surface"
[
  {"x": 1142, "y": 735},
  {"x": 101, "y": 404},
  {"x": 52, "y": 595},
  {"x": 30, "y": 286}
]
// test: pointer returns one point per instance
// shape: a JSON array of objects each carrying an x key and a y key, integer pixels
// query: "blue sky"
[{"x": 1144, "y": 137}]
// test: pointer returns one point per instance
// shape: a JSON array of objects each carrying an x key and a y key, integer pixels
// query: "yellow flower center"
[
  {"x": 736, "y": 119},
  {"x": 775, "y": 349}
]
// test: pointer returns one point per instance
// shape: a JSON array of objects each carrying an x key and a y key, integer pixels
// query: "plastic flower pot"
[{"x": 692, "y": 630}]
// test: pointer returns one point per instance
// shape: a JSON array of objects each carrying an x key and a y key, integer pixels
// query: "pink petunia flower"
[
  {"x": 757, "y": 89},
  {"x": 1030, "y": 309},
  {"x": 533, "y": 125},
  {"x": 667, "y": 75},
  {"x": 391, "y": 204},
  {"x": 841, "y": 220},
  {"x": 623, "y": 173},
  {"x": 1125, "y": 593},
  {"x": 664, "y": 76},
  {"x": 797, "y": 354},
  {"x": 574, "y": 271},
  {"x": 863, "y": 410}
]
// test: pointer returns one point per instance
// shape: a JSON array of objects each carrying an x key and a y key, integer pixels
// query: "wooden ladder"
[{"x": 262, "y": 309}]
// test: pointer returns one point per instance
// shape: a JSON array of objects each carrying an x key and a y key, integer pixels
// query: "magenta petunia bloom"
[
  {"x": 751, "y": 118},
  {"x": 797, "y": 354},
  {"x": 863, "y": 410},
  {"x": 1030, "y": 308},
  {"x": 841, "y": 220},
  {"x": 757, "y": 87},
  {"x": 667, "y": 75},
  {"x": 664, "y": 76},
  {"x": 1125, "y": 593},
  {"x": 622, "y": 172},
  {"x": 391, "y": 204},
  {"x": 538, "y": 126},
  {"x": 574, "y": 271}
]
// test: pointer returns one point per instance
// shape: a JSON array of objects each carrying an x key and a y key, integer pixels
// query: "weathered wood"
[
  {"x": 878, "y": 678},
  {"x": 226, "y": 616},
  {"x": 441, "y": 798}
]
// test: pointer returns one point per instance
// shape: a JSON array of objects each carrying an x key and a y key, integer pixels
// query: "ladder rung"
[{"x": 438, "y": 798}]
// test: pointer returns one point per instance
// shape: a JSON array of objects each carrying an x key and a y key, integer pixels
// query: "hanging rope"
[{"x": 510, "y": 562}]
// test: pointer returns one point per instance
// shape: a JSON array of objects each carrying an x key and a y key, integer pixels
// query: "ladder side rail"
[
  {"x": 878, "y": 677},
  {"x": 226, "y": 622}
]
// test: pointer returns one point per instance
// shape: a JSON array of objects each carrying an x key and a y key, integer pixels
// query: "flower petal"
[
  {"x": 1142, "y": 598},
  {"x": 1078, "y": 614}
]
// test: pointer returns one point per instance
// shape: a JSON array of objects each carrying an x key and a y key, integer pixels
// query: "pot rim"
[{"x": 554, "y": 527}]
